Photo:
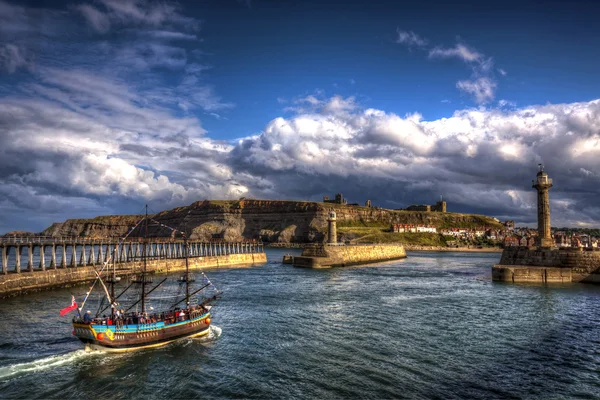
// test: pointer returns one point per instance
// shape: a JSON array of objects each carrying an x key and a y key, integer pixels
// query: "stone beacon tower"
[
  {"x": 542, "y": 185},
  {"x": 332, "y": 235}
]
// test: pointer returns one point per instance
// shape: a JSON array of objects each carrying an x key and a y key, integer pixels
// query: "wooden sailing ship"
[{"x": 140, "y": 325}]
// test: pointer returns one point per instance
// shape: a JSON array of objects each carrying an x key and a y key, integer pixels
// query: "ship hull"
[{"x": 134, "y": 337}]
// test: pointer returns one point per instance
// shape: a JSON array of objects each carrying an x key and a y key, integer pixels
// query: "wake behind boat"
[{"x": 188, "y": 314}]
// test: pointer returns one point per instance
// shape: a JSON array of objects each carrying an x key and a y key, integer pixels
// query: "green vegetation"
[
  {"x": 367, "y": 234},
  {"x": 362, "y": 224},
  {"x": 107, "y": 219}
]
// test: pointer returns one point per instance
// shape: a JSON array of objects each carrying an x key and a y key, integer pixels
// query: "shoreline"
[
  {"x": 409, "y": 247},
  {"x": 413, "y": 247}
]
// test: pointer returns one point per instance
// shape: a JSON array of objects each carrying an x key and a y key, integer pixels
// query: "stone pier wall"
[
  {"x": 340, "y": 256},
  {"x": 522, "y": 264},
  {"x": 16, "y": 284}
]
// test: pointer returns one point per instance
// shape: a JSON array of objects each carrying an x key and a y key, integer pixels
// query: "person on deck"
[
  {"x": 181, "y": 315},
  {"x": 87, "y": 318}
]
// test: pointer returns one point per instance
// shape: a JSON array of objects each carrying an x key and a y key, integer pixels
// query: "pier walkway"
[{"x": 30, "y": 254}]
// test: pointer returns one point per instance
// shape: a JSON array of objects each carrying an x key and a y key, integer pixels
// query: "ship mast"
[
  {"x": 112, "y": 287},
  {"x": 144, "y": 257},
  {"x": 187, "y": 272}
]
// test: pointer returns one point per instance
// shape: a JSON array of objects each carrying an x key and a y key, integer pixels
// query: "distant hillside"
[{"x": 267, "y": 220}]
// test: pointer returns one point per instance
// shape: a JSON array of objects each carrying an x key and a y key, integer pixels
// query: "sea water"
[{"x": 431, "y": 326}]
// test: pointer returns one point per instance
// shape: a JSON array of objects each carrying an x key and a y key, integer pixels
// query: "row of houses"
[
  {"x": 412, "y": 228},
  {"x": 523, "y": 241},
  {"x": 459, "y": 233},
  {"x": 584, "y": 241},
  {"x": 463, "y": 232},
  {"x": 509, "y": 236},
  {"x": 562, "y": 239}
]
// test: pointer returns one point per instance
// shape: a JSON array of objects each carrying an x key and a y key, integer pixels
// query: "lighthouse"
[
  {"x": 542, "y": 184},
  {"x": 332, "y": 236}
]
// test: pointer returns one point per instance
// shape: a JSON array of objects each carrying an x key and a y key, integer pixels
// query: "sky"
[{"x": 107, "y": 105}]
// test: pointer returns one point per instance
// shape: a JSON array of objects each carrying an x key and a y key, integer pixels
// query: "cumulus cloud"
[
  {"x": 480, "y": 160},
  {"x": 95, "y": 125},
  {"x": 80, "y": 136},
  {"x": 74, "y": 138}
]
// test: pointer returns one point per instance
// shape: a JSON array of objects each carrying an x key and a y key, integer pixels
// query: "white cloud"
[
  {"x": 502, "y": 72},
  {"x": 168, "y": 35},
  {"x": 143, "y": 13},
  {"x": 79, "y": 135},
  {"x": 459, "y": 51},
  {"x": 482, "y": 89},
  {"x": 481, "y": 86},
  {"x": 478, "y": 158},
  {"x": 506, "y": 104},
  {"x": 409, "y": 38}
]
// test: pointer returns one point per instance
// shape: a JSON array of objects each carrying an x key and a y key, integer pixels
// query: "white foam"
[
  {"x": 44, "y": 363},
  {"x": 213, "y": 333}
]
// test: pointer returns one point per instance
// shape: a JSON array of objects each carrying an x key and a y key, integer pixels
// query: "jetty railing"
[{"x": 30, "y": 254}]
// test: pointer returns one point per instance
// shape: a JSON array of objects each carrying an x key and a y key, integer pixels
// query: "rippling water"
[{"x": 430, "y": 326}]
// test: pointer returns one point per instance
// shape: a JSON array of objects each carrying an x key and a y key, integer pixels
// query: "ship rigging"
[{"x": 141, "y": 325}]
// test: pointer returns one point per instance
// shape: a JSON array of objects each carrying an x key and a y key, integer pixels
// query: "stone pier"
[
  {"x": 522, "y": 264},
  {"x": 545, "y": 263},
  {"x": 30, "y": 264},
  {"x": 327, "y": 256}
]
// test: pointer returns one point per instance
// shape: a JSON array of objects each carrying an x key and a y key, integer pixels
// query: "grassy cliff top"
[
  {"x": 109, "y": 219},
  {"x": 349, "y": 216}
]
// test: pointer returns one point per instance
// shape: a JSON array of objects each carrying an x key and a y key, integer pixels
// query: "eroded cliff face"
[
  {"x": 95, "y": 228},
  {"x": 267, "y": 220},
  {"x": 270, "y": 221}
]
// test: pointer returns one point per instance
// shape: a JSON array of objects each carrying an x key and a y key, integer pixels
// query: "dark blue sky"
[
  {"x": 108, "y": 104},
  {"x": 286, "y": 49}
]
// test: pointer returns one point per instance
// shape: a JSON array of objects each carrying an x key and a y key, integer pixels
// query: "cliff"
[
  {"x": 268, "y": 220},
  {"x": 95, "y": 228}
]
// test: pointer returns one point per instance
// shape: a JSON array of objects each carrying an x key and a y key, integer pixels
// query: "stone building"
[
  {"x": 339, "y": 199},
  {"x": 509, "y": 225},
  {"x": 439, "y": 206},
  {"x": 421, "y": 207}
]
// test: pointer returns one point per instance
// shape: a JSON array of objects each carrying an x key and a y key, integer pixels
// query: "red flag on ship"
[{"x": 72, "y": 307}]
